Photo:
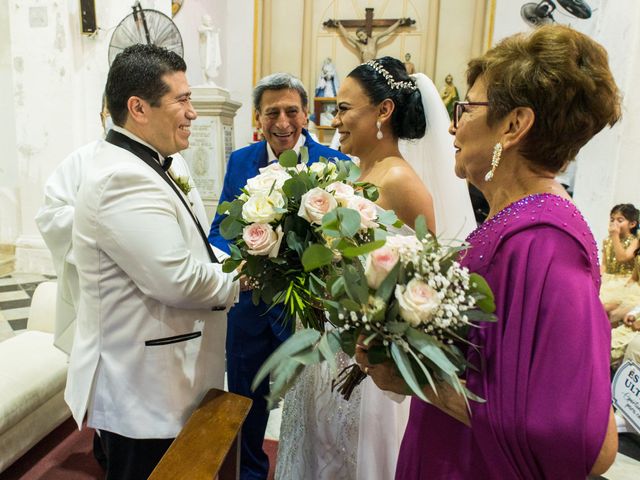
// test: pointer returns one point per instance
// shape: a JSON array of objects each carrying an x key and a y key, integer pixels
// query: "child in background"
[{"x": 618, "y": 294}]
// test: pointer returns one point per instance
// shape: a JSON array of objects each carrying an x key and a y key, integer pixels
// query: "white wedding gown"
[{"x": 323, "y": 436}]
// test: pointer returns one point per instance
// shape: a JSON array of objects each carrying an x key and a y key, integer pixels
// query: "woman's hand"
[{"x": 384, "y": 375}]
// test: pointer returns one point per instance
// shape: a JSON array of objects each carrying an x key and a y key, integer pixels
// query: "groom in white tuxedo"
[{"x": 151, "y": 319}]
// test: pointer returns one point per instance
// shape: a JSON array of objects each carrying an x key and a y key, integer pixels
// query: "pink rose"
[
  {"x": 315, "y": 204},
  {"x": 261, "y": 239},
  {"x": 417, "y": 301},
  {"x": 341, "y": 191},
  {"x": 367, "y": 209},
  {"x": 378, "y": 265}
]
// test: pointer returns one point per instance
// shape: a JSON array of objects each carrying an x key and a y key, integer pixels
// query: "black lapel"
[{"x": 148, "y": 156}]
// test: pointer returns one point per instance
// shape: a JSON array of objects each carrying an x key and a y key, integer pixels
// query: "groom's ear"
[{"x": 385, "y": 109}]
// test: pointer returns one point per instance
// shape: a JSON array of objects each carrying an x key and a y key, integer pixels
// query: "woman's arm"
[{"x": 609, "y": 448}]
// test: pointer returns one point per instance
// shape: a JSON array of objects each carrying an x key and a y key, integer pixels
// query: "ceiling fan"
[{"x": 541, "y": 13}]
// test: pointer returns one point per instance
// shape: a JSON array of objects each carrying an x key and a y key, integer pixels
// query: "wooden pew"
[{"x": 209, "y": 444}]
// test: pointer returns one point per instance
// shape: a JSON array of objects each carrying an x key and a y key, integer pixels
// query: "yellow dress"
[{"x": 614, "y": 289}]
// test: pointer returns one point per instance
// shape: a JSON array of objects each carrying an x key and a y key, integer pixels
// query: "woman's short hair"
[
  {"x": 408, "y": 119},
  {"x": 564, "y": 77}
]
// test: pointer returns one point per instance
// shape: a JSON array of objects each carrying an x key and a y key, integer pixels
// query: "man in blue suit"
[{"x": 280, "y": 102}]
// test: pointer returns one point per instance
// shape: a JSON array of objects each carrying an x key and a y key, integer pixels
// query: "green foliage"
[
  {"x": 421, "y": 227},
  {"x": 288, "y": 159},
  {"x": 485, "y": 300},
  {"x": 316, "y": 256}
]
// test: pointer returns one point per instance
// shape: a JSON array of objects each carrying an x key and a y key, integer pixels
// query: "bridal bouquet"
[
  {"x": 292, "y": 222},
  {"x": 411, "y": 300}
]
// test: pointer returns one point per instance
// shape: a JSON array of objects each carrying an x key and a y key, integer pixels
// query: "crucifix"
[{"x": 364, "y": 40}]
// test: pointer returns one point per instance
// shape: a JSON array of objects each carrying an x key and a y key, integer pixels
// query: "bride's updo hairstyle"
[{"x": 385, "y": 78}]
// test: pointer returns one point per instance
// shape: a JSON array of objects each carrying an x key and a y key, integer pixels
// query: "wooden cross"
[{"x": 368, "y": 23}]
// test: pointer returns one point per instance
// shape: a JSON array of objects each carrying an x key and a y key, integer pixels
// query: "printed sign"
[{"x": 626, "y": 392}]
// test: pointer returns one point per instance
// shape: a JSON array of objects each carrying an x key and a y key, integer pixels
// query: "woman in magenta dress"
[{"x": 543, "y": 367}]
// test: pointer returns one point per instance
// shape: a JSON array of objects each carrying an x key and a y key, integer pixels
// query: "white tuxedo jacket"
[{"x": 147, "y": 344}]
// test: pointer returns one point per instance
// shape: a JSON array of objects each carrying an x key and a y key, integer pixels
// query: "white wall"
[
  {"x": 9, "y": 221},
  {"x": 52, "y": 78}
]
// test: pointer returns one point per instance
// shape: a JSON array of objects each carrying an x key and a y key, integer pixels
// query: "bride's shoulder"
[{"x": 398, "y": 171}]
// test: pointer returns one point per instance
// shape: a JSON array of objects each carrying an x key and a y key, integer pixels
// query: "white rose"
[
  {"x": 272, "y": 179},
  {"x": 417, "y": 301},
  {"x": 321, "y": 169},
  {"x": 378, "y": 265},
  {"x": 262, "y": 208},
  {"x": 367, "y": 209},
  {"x": 261, "y": 239},
  {"x": 341, "y": 191},
  {"x": 315, "y": 204}
]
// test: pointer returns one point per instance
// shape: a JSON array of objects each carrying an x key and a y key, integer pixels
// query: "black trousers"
[{"x": 132, "y": 458}]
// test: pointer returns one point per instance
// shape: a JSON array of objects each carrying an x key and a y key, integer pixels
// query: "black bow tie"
[{"x": 167, "y": 163}]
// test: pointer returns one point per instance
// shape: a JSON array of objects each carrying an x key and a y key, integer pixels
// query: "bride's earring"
[
  {"x": 379, "y": 134},
  {"x": 495, "y": 161}
]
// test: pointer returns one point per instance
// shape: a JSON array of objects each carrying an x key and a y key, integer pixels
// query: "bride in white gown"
[{"x": 323, "y": 436}]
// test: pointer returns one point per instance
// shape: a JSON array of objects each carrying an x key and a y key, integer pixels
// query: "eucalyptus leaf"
[
  {"x": 328, "y": 349},
  {"x": 236, "y": 253},
  {"x": 230, "y": 265},
  {"x": 430, "y": 348},
  {"x": 294, "y": 188},
  {"x": 316, "y": 256},
  {"x": 304, "y": 155},
  {"x": 288, "y": 159},
  {"x": 387, "y": 217},
  {"x": 481, "y": 286},
  {"x": 356, "y": 251},
  {"x": 230, "y": 228},
  {"x": 388, "y": 285},
  {"x": 297, "y": 343},
  {"x": 397, "y": 328},
  {"x": 404, "y": 367},
  {"x": 480, "y": 316},
  {"x": 421, "y": 227}
]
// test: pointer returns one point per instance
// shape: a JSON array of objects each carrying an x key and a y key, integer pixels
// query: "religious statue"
[
  {"x": 366, "y": 43},
  {"x": 328, "y": 82},
  {"x": 449, "y": 94},
  {"x": 210, "y": 59},
  {"x": 408, "y": 64}
]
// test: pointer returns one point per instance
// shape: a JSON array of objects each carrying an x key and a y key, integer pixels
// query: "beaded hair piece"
[{"x": 395, "y": 85}]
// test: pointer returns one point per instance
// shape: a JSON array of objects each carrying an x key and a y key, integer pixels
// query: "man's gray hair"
[{"x": 279, "y": 81}]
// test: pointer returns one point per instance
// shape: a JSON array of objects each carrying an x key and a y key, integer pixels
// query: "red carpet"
[{"x": 67, "y": 454}]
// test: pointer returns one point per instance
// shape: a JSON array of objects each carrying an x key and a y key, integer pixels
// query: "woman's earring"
[
  {"x": 379, "y": 134},
  {"x": 495, "y": 161}
]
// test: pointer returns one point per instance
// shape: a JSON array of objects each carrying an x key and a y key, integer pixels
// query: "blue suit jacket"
[{"x": 243, "y": 165}]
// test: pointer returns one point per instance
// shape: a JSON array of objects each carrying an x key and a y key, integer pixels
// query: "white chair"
[{"x": 33, "y": 375}]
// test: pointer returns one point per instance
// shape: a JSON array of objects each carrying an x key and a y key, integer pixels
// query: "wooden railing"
[{"x": 209, "y": 444}]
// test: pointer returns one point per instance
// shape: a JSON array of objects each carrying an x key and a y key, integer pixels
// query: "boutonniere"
[{"x": 181, "y": 181}]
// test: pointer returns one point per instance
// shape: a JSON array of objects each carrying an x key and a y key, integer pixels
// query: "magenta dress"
[{"x": 543, "y": 367}]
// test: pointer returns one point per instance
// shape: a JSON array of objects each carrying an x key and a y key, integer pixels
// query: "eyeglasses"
[{"x": 461, "y": 107}]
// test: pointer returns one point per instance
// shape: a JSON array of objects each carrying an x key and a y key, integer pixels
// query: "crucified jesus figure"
[{"x": 367, "y": 45}]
